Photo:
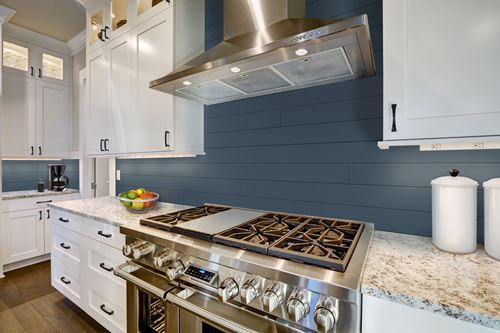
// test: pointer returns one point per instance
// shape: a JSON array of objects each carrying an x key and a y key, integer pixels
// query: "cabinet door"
[
  {"x": 97, "y": 19},
  {"x": 18, "y": 116},
  {"x": 52, "y": 119},
  {"x": 96, "y": 102},
  {"x": 24, "y": 235},
  {"x": 120, "y": 86},
  {"x": 120, "y": 17},
  {"x": 17, "y": 57},
  {"x": 153, "y": 58},
  {"x": 47, "y": 231},
  {"x": 54, "y": 67},
  {"x": 143, "y": 10},
  {"x": 438, "y": 68}
]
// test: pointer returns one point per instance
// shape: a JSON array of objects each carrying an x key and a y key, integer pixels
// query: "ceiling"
[{"x": 59, "y": 19}]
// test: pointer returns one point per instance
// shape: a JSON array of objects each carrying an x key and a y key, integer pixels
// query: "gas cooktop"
[{"x": 317, "y": 241}]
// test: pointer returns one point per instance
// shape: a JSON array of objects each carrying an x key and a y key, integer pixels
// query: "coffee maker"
[{"x": 57, "y": 180}]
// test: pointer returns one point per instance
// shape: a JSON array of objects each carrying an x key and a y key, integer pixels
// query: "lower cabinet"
[
  {"x": 380, "y": 315},
  {"x": 84, "y": 254}
]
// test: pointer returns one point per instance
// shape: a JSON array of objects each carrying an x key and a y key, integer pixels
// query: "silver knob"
[
  {"x": 298, "y": 304},
  {"x": 164, "y": 258},
  {"x": 251, "y": 289},
  {"x": 128, "y": 248},
  {"x": 273, "y": 296},
  {"x": 325, "y": 314},
  {"x": 174, "y": 270},
  {"x": 228, "y": 290},
  {"x": 142, "y": 250}
]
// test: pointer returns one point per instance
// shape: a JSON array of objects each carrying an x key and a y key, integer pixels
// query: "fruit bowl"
[{"x": 140, "y": 204}]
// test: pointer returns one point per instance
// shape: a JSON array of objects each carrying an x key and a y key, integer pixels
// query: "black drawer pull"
[
  {"x": 63, "y": 220},
  {"x": 393, "y": 107},
  {"x": 108, "y": 312},
  {"x": 48, "y": 213},
  {"x": 45, "y": 201},
  {"x": 103, "y": 266},
  {"x": 63, "y": 279},
  {"x": 41, "y": 216},
  {"x": 100, "y": 233},
  {"x": 167, "y": 144},
  {"x": 64, "y": 246}
]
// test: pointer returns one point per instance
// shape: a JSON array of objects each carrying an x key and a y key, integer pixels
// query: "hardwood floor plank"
[
  {"x": 31, "y": 320},
  {"x": 9, "y": 323}
]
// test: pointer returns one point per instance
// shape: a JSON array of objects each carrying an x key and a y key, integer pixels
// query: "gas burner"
[
  {"x": 260, "y": 233},
  {"x": 323, "y": 242},
  {"x": 167, "y": 221}
]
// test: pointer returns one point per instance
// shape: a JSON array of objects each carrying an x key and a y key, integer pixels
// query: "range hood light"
[
  {"x": 187, "y": 83},
  {"x": 235, "y": 69},
  {"x": 301, "y": 52}
]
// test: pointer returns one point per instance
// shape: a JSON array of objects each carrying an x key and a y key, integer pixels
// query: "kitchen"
[{"x": 342, "y": 153}]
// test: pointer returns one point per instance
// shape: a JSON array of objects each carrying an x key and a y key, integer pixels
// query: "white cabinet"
[
  {"x": 126, "y": 116},
  {"x": 384, "y": 316},
  {"x": 438, "y": 79}
]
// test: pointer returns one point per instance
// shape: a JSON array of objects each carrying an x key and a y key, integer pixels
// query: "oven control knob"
[
  {"x": 142, "y": 250},
  {"x": 273, "y": 296},
  {"x": 251, "y": 289},
  {"x": 174, "y": 270},
  {"x": 325, "y": 314},
  {"x": 297, "y": 305},
  {"x": 228, "y": 290},
  {"x": 164, "y": 258},
  {"x": 129, "y": 248}
]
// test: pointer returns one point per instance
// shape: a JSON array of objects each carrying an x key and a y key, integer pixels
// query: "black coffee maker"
[{"x": 57, "y": 180}]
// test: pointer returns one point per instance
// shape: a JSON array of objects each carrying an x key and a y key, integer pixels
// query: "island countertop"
[
  {"x": 409, "y": 270},
  {"x": 109, "y": 210}
]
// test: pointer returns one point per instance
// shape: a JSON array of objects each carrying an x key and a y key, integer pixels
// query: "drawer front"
[
  {"x": 68, "y": 244},
  {"x": 66, "y": 279},
  {"x": 101, "y": 232},
  {"x": 107, "y": 305},
  {"x": 101, "y": 259},
  {"x": 35, "y": 203}
]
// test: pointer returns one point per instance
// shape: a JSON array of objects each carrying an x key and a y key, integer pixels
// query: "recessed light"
[
  {"x": 187, "y": 83},
  {"x": 235, "y": 69},
  {"x": 301, "y": 52}
]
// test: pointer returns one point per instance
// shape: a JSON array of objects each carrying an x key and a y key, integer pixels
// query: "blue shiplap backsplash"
[
  {"x": 312, "y": 151},
  {"x": 24, "y": 175}
]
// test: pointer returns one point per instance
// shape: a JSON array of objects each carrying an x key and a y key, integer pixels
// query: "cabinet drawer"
[
  {"x": 34, "y": 203},
  {"x": 66, "y": 279},
  {"x": 101, "y": 232},
  {"x": 67, "y": 244},
  {"x": 107, "y": 305},
  {"x": 101, "y": 259}
]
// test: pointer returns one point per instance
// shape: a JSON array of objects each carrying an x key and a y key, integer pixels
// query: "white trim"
[
  {"x": 35, "y": 38},
  {"x": 77, "y": 43},
  {"x": 464, "y": 143},
  {"x": 84, "y": 3},
  {"x": 27, "y": 262},
  {"x": 6, "y": 14}
]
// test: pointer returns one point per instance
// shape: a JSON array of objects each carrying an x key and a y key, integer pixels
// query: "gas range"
[{"x": 243, "y": 270}]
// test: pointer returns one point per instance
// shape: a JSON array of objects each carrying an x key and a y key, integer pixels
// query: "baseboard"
[{"x": 24, "y": 263}]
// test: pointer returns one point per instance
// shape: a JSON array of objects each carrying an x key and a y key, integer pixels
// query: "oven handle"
[
  {"x": 128, "y": 272},
  {"x": 207, "y": 315}
]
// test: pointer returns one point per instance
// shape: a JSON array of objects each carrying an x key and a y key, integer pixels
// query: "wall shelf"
[{"x": 440, "y": 144}]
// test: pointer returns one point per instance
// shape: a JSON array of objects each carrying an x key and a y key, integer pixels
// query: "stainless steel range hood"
[{"x": 268, "y": 48}]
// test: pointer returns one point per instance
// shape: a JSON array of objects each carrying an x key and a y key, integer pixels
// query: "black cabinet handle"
[
  {"x": 100, "y": 34},
  {"x": 393, "y": 107},
  {"x": 100, "y": 233},
  {"x": 100, "y": 145},
  {"x": 48, "y": 213},
  {"x": 63, "y": 279},
  {"x": 40, "y": 150},
  {"x": 39, "y": 73},
  {"x": 106, "y": 32},
  {"x": 40, "y": 217},
  {"x": 32, "y": 72},
  {"x": 64, "y": 246},
  {"x": 106, "y": 141},
  {"x": 32, "y": 150},
  {"x": 45, "y": 201},
  {"x": 167, "y": 134},
  {"x": 63, "y": 220},
  {"x": 103, "y": 266},
  {"x": 108, "y": 312}
]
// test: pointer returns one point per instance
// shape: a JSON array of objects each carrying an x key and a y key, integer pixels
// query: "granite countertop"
[
  {"x": 33, "y": 194},
  {"x": 410, "y": 270},
  {"x": 109, "y": 210}
]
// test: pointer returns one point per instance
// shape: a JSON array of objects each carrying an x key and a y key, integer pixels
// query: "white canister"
[
  {"x": 492, "y": 217},
  {"x": 454, "y": 213}
]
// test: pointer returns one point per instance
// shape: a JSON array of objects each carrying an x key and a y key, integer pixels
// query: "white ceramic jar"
[
  {"x": 492, "y": 217},
  {"x": 454, "y": 213}
]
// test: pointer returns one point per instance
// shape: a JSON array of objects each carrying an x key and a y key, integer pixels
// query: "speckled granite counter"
[
  {"x": 33, "y": 194},
  {"x": 410, "y": 270},
  {"x": 109, "y": 210}
]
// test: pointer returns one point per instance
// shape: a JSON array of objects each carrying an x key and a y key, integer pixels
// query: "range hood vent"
[{"x": 269, "y": 48}]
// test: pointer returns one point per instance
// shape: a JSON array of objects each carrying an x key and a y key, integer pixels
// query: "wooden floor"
[{"x": 28, "y": 303}]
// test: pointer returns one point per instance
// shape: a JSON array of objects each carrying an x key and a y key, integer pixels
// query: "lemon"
[
  {"x": 140, "y": 191},
  {"x": 138, "y": 205}
]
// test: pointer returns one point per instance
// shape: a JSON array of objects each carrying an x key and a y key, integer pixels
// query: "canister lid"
[
  {"x": 453, "y": 180},
  {"x": 495, "y": 182}
]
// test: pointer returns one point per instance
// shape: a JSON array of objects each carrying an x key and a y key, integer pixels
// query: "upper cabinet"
[
  {"x": 126, "y": 117},
  {"x": 440, "y": 78}
]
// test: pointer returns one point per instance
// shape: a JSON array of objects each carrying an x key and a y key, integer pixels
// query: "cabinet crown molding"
[{"x": 6, "y": 14}]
